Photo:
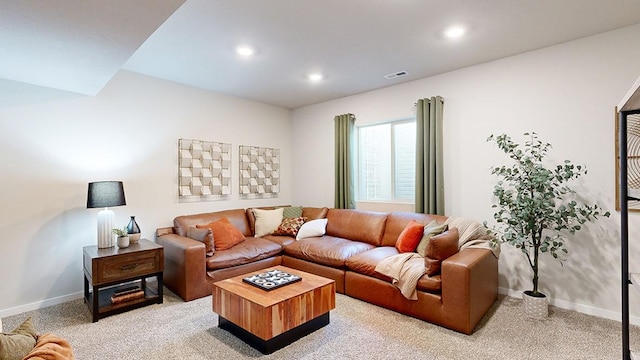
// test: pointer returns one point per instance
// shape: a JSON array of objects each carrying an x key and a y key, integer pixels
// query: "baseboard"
[
  {"x": 40, "y": 304},
  {"x": 563, "y": 304},
  {"x": 585, "y": 309}
]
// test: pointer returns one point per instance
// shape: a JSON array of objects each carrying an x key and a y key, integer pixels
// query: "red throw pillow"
[
  {"x": 410, "y": 237},
  {"x": 440, "y": 247},
  {"x": 225, "y": 235}
]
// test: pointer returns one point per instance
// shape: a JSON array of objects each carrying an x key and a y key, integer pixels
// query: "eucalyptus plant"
[
  {"x": 120, "y": 232},
  {"x": 536, "y": 209}
]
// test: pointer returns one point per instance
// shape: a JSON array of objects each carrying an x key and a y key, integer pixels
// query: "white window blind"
[{"x": 386, "y": 161}]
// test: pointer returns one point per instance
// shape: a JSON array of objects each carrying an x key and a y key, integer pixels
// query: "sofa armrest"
[
  {"x": 184, "y": 265},
  {"x": 469, "y": 286}
]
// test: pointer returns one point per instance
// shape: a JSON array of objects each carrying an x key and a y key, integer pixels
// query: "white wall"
[
  {"x": 52, "y": 143},
  {"x": 566, "y": 94}
]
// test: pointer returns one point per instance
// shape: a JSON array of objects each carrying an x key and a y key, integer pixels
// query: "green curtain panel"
[
  {"x": 429, "y": 163},
  {"x": 345, "y": 179}
]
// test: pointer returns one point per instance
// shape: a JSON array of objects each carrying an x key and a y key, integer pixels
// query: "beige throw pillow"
[
  {"x": 267, "y": 221},
  {"x": 18, "y": 343},
  {"x": 431, "y": 229}
]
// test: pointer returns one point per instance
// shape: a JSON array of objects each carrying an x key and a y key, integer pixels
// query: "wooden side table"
[{"x": 112, "y": 269}]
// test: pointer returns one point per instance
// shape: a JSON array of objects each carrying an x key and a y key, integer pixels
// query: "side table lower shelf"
[{"x": 104, "y": 307}]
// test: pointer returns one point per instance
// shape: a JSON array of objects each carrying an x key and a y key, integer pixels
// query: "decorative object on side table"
[
  {"x": 123, "y": 237},
  {"x": 133, "y": 230},
  {"x": 536, "y": 208},
  {"x": 104, "y": 194}
]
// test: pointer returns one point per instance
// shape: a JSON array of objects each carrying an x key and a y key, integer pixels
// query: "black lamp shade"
[{"x": 104, "y": 194}]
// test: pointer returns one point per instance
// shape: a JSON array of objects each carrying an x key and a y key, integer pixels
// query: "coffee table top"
[{"x": 265, "y": 298}]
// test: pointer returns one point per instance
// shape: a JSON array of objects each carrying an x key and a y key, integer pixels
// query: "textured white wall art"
[
  {"x": 204, "y": 170},
  {"x": 259, "y": 172}
]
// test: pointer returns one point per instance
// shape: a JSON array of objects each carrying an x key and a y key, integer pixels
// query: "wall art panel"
[
  {"x": 204, "y": 170},
  {"x": 259, "y": 172}
]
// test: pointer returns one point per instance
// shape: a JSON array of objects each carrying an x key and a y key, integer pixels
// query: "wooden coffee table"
[{"x": 271, "y": 320}]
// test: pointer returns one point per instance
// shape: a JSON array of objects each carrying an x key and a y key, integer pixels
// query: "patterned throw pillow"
[{"x": 290, "y": 226}]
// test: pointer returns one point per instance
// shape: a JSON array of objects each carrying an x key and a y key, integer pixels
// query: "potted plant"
[
  {"x": 123, "y": 237},
  {"x": 536, "y": 209}
]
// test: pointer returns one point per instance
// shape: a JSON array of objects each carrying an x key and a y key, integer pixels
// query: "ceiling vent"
[{"x": 396, "y": 75}]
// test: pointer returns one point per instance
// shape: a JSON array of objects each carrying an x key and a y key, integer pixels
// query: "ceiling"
[{"x": 79, "y": 45}]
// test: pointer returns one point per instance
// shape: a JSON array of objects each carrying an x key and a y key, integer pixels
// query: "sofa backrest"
[
  {"x": 397, "y": 220},
  {"x": 310, "y": 213},
  {"x": 237, "y": 217},
  {"x": 358, "y": 225},
  {"x": 314, "y": 213}
]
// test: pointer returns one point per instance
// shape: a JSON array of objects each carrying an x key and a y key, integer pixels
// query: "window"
[{"x": 386, "y": 161}]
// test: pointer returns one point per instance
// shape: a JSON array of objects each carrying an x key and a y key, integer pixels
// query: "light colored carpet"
[{"x": 188, "y": 330}]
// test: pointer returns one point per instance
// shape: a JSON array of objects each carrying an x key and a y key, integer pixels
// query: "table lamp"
[{"x": 103, "y": 194}]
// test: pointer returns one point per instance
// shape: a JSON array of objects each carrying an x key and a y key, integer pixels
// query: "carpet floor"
[{"x": 358, "y": 330}]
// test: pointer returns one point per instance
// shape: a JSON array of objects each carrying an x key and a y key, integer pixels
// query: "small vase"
[
  {"x": 123, "y": 242},
  {"x": 535, "y": 306},
  {"x": 134, "y": 230}
]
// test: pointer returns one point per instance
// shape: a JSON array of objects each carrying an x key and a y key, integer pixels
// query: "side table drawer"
[{"x": 127, "y": 265}]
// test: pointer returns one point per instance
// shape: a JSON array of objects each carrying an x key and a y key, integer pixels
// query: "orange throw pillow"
[
  {"x": 225, "y": 235},
  {"x": 410, "y": 237}
]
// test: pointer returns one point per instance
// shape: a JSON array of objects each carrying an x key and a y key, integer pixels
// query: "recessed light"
[
  {"x": 454, "y": 32},
  {"x": 315, "y": 77},
  {"x": 245, "y": 50}
]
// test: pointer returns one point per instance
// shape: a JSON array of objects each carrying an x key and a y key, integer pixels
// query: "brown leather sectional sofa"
[{"x": 355, "y": 241}]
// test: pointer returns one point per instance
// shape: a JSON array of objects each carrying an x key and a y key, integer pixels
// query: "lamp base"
[{"x": 106, "y": 219}]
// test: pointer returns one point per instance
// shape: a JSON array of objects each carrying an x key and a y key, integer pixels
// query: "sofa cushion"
[
  {"x": 250, "y": 250},
  {"x": 204, "y": 235},
  {"x": 313, "y": 228},
  {"x": 432, "y": 229},
  {"x": 326, "y": 250},
  {"x": 440, "y": 247},
  {"x": 237, "y": 217},
  {"x": 432, "y": 284},
  {"x": 313, "y": 213},
  {"x": 397, "y": 220},
  {"x": 281, "y": 240},
  {"x": 18, "y": 343},
  {"x": 289, "y": 226},
  {"x": 410, "y": 237},
  {"x": 267, "y": 221},
  {"x": 292, "y": 211},
  {"x": 225, "y": 235},
  {"x": 357, "y": 225},
  {"x": 365, "y": 263}
]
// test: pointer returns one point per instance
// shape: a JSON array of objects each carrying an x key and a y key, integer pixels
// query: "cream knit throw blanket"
[
  {"x": 472, "y": 234},
  {"x": 405, "y": 269}
]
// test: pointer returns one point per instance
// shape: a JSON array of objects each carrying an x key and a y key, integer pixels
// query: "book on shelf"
[
  {"x": 126, "y": 290},
  {"x": 127, "y": 297}
]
